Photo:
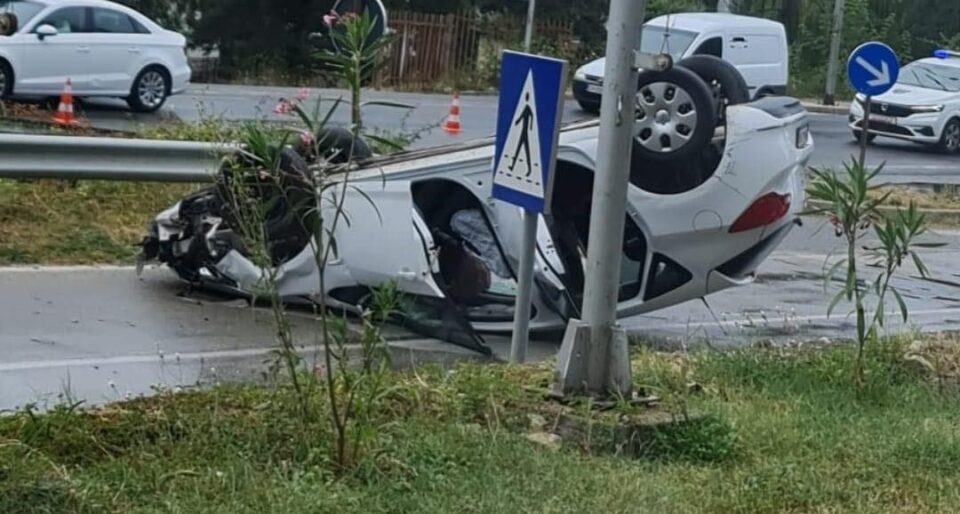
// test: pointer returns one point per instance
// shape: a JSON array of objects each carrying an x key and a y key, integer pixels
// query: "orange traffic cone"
[
  {"x": 452, "y": 125},
  {"x": 64, "y": 114}
]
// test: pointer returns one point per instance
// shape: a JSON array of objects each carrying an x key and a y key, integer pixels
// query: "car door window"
[
  {"x": 712, "y": 46},
  {"x": 109, "y": 21},
  {"x": 69, "y": 20}
]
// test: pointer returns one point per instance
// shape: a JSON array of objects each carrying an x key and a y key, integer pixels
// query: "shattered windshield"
[
  {"x": 931, "y": 76},
  {"x": 23, "y": 10}
]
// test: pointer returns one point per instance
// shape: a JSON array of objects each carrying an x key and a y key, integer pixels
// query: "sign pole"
[
  {"x": 528, "y": 132},
  {"x": 594, "y": 356},
  {"x": 865, "y": 131},
  {"x": 528, "y": 249},
  {"x": 528, "y": 36},
  {"x": 521, "y": 319}
]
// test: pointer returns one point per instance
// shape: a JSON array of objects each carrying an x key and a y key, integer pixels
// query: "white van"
[{"x": 757, "y": 47}]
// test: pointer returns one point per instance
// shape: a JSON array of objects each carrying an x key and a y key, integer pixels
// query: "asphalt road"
[
  {"x": 905, "y": 162},
  {"x": 100, "y": 334}
]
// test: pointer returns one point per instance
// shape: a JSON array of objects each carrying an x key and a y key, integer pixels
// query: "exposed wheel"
[
  {"x": 150, "y": 90},
  {"x": 726, "y": 81},
  {"x": 858, "y": 134},
  {"x": 676, "y": 114},
  {"x": 6, "y": 80},
  {"x": 589, "y": 107},
  {"x": 950, "y": 139},
  {"x": 337, "y": 145}
]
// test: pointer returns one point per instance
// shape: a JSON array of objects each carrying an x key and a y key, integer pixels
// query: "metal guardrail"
[{"x": 100, "y": 158}]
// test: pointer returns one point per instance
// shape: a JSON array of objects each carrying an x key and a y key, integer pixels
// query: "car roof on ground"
[{"x": 701, "y": 21}]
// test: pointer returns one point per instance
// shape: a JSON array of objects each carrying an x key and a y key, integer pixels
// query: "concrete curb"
[
  {"x": 934, "y": 216},
  {"x": 817, "y": 108}
]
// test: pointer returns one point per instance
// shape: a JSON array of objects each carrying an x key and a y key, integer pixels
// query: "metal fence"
[{"x": 429, "y": 49}]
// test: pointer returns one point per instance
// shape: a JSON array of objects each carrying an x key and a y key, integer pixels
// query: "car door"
[
  {"x": 757, "y": 56},
  {"x": 117, "y": 44},
  {"x": 380, "y": 239},
  {"x": 48, "y": 62}
]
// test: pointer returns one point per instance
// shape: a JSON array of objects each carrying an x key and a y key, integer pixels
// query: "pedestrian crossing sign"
[{"x": 528, "y": 129}]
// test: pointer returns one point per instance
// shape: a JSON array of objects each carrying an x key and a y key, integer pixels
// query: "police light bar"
[{"x": 945, "y": 54}]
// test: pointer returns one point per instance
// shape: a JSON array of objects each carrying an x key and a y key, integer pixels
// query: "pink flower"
[
  {"x": 283, "y": 107},
  {"x": 306, "y": 138},
  {"x": 331, "y": 19},
  {"x": 303, "y": 94}
]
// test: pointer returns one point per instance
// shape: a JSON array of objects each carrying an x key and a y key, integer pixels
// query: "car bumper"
[
  {"x": 181, "y": 79},
  {"x": 584, "y": 96},
  {"x": 919, "y": 128}
]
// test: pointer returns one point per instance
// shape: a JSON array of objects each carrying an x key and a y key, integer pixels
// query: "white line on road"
[{"x": 796, "y": 319}]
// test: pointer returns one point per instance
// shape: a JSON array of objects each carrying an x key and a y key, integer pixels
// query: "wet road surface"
[{"x": 99, "y": 334}]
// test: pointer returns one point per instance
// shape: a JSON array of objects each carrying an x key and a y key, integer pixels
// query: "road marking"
[
  {"x": 64, "y": 269},
  {"x": 793, "y": 319}
]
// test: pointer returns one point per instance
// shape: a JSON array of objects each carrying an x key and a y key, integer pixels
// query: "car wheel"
[
  {"x": 6, "y": 80},
  {"x": 150, "y": 90},
  {"x": 857, "y": 135},
  {"x": 588, "y": 107},
  {"x": 676, "y": 114},
  {"x": 726, "y": 81},
  {"x": 950, "y": 139}
]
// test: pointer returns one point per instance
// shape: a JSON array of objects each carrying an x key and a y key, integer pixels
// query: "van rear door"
[{"x": 761, "y": 59}]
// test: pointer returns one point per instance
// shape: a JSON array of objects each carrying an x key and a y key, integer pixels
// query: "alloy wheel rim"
[
  {"x": 152, "y": 89},
  {"x": 953, "y": 136},
  {"x": 666, "y": 117}
]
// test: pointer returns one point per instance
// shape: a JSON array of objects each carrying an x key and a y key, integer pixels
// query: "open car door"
[{"x": 380, "y": 239}]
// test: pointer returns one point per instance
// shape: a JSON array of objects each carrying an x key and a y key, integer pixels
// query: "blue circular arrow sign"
[{"x": 873, "y": 68}]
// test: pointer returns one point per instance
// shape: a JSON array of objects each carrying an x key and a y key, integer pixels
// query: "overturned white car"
[{"x": 703, "y": 213}]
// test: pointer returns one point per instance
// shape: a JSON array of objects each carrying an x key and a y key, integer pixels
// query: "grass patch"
[
  {"x": 793, "y": 435},
  {"x": 55, "y": 222}
]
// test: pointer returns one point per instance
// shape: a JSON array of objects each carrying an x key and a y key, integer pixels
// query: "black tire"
[
  {"x": 589, "y": 108},
  {"x": 150, "y": 90},
  {"x": 654, "y": 138},
  {"x": 721, "y": 75},
  {"x": 338, "y": 145},
  {"x": 950, "y": 139},
  {"x": 858, "y": 134},
  {"x": 6, "y": 79}
]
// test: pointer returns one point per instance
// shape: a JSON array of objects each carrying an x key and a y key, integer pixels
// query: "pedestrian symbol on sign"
[{"x": 521, "y": 167}]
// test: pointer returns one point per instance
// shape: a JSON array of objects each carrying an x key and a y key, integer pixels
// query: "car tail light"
[{"x": 764, "y": 211}]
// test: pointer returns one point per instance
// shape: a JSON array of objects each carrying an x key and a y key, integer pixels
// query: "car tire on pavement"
[
  {"x": 150, "y": 90},
  {"x": 950, "y": 139},
  {"x": 857, "y": 135},
  {"x": 676, "y": 114},
  {"x": 6, "y": 79}
]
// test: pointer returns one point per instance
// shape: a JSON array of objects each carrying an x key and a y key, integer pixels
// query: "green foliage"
[
  {"x": 707, "y": 439},
  {"x": 852, "y": 211},
  {"x": 802, "y": 444}
]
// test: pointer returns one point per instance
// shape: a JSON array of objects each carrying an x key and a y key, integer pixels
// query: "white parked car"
[
  {"x": 103, "y": 48},
  {"x": 923, "y": 107},
  {"x": 701, "y": 218},
  {"x": 757, "y": 47}
]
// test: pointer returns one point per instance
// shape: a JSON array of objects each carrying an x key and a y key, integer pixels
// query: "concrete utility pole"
[
  {"x": 528, "y": 36},
  {"x": 830, "y": 97},
  {"x": 726, "y": 6},
  {"x": 594, "y": 357}
]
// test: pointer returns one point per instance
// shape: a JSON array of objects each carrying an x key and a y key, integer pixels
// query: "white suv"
[{"x": 103, "y": 48}]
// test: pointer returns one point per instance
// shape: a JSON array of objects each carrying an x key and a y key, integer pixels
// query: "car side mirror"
[{"x": 46, "y": 30}]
